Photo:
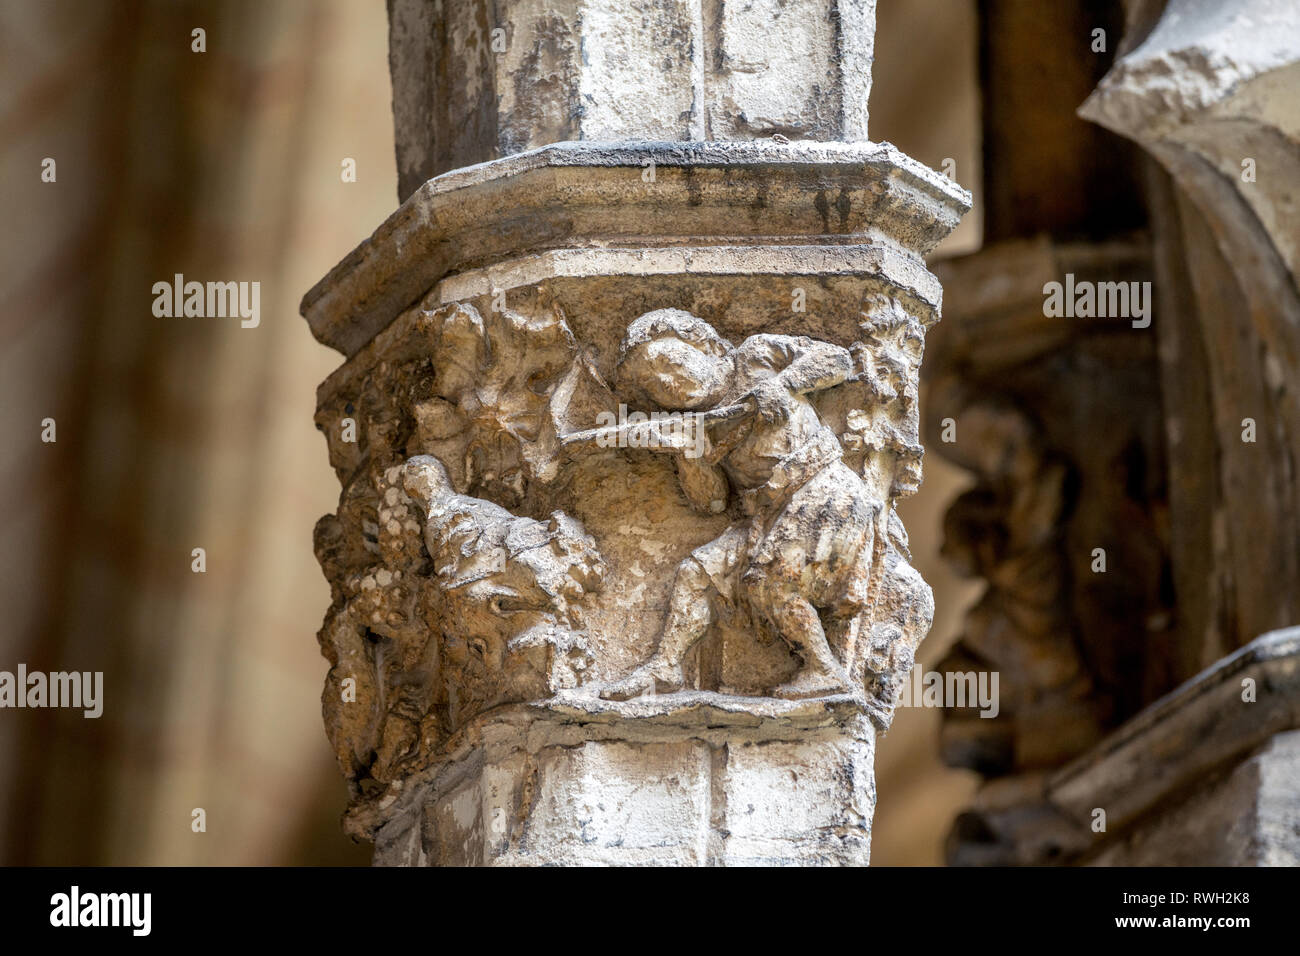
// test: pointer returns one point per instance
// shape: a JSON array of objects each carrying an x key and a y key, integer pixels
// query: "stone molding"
[{"x": 593, "y": 196}]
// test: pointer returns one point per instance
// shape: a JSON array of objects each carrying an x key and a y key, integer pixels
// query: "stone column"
[{"x": 625, "y": 411}]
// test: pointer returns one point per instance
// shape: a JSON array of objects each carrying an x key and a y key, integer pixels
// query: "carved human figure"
[{"x": 805, "y": 546}]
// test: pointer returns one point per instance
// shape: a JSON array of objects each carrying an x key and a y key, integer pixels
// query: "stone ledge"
[
  {"x": 707, "y": 710},
  {"x": 1173, "y": 780},
  {"x": 576, "y": 194},
  {"x": 1201, "y": 726}
]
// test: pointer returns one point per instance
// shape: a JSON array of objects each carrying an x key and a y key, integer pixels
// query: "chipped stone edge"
[{"x": 1192, "y": 62}]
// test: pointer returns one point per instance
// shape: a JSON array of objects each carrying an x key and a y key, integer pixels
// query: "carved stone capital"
[{"x": 616, "y": 570}]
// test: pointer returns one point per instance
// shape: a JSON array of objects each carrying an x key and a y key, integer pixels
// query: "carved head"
[
  {"x": 675, "y": 361},
  {"x": 892, "y": 363},
  {"x": 903, "y": 456}
]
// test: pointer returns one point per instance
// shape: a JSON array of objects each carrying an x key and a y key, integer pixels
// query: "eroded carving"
[
  {"x": 803, "y": 550},
  {"x": 464, "y": 575},
  {"x": 446, "y": 603}
]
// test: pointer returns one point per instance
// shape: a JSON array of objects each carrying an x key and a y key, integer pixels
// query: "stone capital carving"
[{"x": 620, "y": 430}]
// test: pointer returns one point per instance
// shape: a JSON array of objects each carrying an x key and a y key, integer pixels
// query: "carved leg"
[
  {"x": 690, "y": 612},
  {"x": 798, "y": 623}
]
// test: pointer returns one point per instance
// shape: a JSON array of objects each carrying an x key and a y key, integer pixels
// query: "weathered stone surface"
[
  {"x": 496, "y": 544},
  {"x": 476, "y": 80},
  {"x": 1214, "y": 719},
  {"x": 1210, "y": 86},
  {"x": 489, "y": 544},
  {"x": 680, "y": 780},
  {"x": 1246, "y": 818}
]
